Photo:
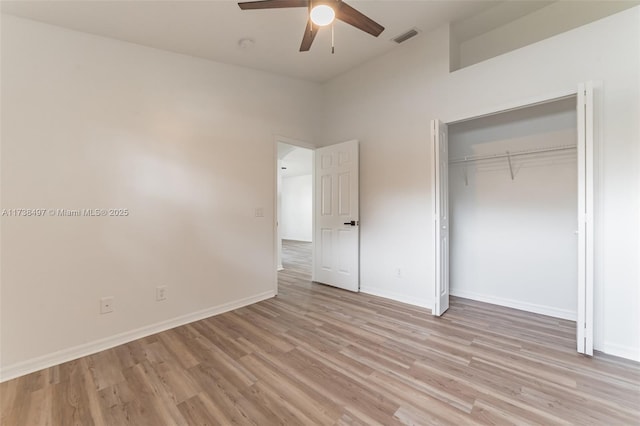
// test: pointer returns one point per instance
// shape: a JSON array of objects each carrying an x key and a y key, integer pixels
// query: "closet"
[{"x": 513, "y": 197}]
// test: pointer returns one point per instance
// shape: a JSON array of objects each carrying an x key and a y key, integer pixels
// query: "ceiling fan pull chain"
[{"x": 333, "y": 44}]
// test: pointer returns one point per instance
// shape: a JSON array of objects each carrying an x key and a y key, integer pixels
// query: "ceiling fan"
[{"x": 321, "y": 13}]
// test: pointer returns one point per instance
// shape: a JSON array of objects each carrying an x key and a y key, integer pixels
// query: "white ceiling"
[{"x": 212, "y": 29}]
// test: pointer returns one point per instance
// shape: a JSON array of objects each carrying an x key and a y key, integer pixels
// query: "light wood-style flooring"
[{"x": 319, "y": 355}]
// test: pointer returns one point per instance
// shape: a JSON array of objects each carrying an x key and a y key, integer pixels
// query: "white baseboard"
[
  {"x": 398, "y": 297},
  {"x": 622, "y": 351},
  {"x": 516, "y": 304},
  {"x": 45, "y": 361}
]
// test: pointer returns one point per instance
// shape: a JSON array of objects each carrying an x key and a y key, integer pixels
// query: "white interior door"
[
  {"x": 336, "y": 231},
  {"x": 585, "y": 219},
  {"x": 441, "y": 212}
]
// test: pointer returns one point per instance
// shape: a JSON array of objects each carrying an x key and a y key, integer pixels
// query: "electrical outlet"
[
  {"x": 259, "y": 212},
  {"x": 398, "y": 273},
  {"x": 161, "y": 293},
  {"x": 106, "y": 305}
]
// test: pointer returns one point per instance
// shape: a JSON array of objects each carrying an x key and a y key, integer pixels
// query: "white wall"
[
  {"x": 513, "y": 242},
  {"x": 387, "y": 104},
  {"x": 297, "y": 205},
  {"x": 555, "y": 18},
  {"x": 186, "y": 145}
]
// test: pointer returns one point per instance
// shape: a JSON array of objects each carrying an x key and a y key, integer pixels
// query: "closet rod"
[{"x": 510, "y": 154}]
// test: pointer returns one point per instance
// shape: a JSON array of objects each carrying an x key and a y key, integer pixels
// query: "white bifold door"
[
  {"x": 440, "y": 155},
  {"x": 336, "y": 231},
  {"x": 585, "y": 218}
]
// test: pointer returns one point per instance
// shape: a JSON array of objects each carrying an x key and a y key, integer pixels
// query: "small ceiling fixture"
[{"x": 246, "y": 43}]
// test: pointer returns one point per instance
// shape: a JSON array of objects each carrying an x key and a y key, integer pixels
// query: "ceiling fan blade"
[
  {"x": 351, "y": 16},
  {"x": 272, "y": 4},
  {"x": 309, "y": 35}
]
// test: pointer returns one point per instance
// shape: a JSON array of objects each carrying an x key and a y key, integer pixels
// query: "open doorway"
[
  {"x": 294, "y": 208},
  {"x": 317, "y": 227}
]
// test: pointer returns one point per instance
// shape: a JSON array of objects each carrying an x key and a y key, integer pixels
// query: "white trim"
[
  {"x": 45, "y": 361},
  {"x": 514, "y": 105},
  {"x": 622, "y": 351},
  {"x": 398, "y": 297},
  {"x": 313, "y": 216},
  {"x": 581, "y": 218},
  {"x": 515, "y": 304},
  {"x": 277, "y": 248},
  {"x": 590, "y": 248},
  {"x": 599, "y": 197}
]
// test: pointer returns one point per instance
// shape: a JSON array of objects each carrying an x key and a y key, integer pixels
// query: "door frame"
[
  {"x": 584, "y": 335},
  {"x": 276, "y": 234}
]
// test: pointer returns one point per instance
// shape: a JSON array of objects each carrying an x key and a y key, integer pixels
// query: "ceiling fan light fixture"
[{"x": 322, "y": 15}]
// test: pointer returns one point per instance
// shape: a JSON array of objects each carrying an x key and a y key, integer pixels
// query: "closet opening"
[{"x": 513, "y": 197}]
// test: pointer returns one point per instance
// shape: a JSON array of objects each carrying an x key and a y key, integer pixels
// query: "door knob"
[{"x": 352, "y": 223}]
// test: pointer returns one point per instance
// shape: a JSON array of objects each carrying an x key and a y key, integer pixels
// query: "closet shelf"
[{"x": 508, "y": 154}]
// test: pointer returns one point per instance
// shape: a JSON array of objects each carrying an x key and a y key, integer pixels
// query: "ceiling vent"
[{"x": 406, "y": 36}]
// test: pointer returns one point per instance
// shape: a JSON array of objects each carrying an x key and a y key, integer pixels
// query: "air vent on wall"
[{"x": 406, "y": 36}]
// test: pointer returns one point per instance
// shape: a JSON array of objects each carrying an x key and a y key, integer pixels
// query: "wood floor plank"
[
  {"x": 227, "y": 398},
  {"x": 196, "y": 413},
  {"x": 316, "y": 355},
  {"x": 151, "y": 399},
  {"x": 289, "y": 387},
  {"x": 70, "y": 399},
  {"x": 105, "y": 368}
]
